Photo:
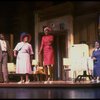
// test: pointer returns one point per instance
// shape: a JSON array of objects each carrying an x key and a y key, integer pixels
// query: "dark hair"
[
  {"x": 97, "y": 41},
  {"x": 2, "y": 33}
]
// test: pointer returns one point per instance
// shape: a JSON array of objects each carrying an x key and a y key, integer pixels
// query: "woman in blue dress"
[{"x": 96, "y": 61}]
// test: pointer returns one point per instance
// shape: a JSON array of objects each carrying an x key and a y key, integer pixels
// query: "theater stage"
[
  {"x": 56, "y": 90},
  {"x": 54, "y": 84},
  {"x": 38, "y": 81}
]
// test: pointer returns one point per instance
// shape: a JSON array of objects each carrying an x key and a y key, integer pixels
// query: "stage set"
[
  {"x": 13, "y": 82},
  {"x": 77, "y": 82},
  {"x": 77, "y": 71}
]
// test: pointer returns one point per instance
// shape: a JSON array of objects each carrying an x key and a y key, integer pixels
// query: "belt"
[{"x": 4, "y": 51}]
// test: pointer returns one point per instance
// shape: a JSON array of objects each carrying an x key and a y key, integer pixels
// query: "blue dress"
[{"x": 96, "y": 69}]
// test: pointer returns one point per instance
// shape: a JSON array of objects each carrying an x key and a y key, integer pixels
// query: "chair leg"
[
  {"x": 78, "y": 77},
  {"x": 65, "y": 75}
]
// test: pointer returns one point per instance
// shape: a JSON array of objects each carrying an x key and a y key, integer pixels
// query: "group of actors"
[{"x": 23, "y": 52}]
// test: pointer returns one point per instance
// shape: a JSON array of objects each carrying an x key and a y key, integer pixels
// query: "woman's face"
[
  {"x": 46, "y": 32},
  {"x": 2, "y": 37},
  {"x": 25, "y": 39},
  {"x": 97, "y": 45}
]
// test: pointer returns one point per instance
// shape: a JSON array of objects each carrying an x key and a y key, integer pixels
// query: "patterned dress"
[
  {"x": 96, "y": 69},
  {"x": 23, "y": 61},
  {"x": 48, "y": 51}
]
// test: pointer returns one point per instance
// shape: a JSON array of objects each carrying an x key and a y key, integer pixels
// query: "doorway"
[{"x": 60, "y": 53}]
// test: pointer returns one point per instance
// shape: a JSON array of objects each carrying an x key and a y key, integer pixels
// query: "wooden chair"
[
  {"x": 38, "y": 70},
  {"x": 34, "y": 65},
  {"x": 11, "y": 68},
  {"x": 66, "y": 64}
]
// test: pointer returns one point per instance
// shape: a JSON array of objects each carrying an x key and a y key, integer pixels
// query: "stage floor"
[
  {"x": 54, "y": 84},
  {"x": 56, "y": 90},
  {"x": 37, "y": 81}
]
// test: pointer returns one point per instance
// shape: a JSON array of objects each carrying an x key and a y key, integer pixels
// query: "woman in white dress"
[{"x": 23, "y": 52}]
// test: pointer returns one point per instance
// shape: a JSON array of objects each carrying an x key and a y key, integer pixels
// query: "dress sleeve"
[{"x": 93, "y": 54}]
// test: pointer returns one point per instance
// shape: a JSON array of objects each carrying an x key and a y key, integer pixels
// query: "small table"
[{"x": 79, "y": 77}]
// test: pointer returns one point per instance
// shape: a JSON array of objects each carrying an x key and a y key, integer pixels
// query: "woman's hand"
[
  {"x": 15, "y": 53},
  {"x": 93, "y": 58}
]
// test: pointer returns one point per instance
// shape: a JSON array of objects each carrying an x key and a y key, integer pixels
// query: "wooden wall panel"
[{"x": 85, "y": 29}]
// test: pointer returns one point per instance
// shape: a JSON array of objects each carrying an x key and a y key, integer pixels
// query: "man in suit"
[{"x": 4, "y": 52}]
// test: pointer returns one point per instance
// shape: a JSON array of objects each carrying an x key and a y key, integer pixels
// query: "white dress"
[{"x": 23, "y": 63}]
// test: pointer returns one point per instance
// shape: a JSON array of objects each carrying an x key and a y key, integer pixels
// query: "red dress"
[{"x": 48, "y": 51}]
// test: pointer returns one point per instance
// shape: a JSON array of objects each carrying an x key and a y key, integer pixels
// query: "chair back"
[
  {"x": 66, "y": 63},
  {"x": 11, "y": 68}
]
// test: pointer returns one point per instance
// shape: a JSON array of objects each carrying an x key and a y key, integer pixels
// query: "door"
[{"x": 60, "y": 53}]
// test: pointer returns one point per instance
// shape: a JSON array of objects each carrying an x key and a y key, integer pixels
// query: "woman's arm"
[
  {"x": 15, "y": 53},
  {"x": 41, "y": 47},
  {"x": 93, "y": 56},
  {"x": 50, "y": 42}
]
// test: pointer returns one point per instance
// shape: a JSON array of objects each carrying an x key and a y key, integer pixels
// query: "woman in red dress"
[{"x": 48, "y": 53}]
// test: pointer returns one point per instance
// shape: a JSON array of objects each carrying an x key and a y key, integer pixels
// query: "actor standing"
[
  {"x": 48, "y": 53},
  {"x": 96, "y": 59},
  {"x": 23, "y": 52},
  {"x": 4, "y": 52}
]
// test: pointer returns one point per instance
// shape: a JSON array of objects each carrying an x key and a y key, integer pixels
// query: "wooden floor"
[
  {"x": 55, "y": 90},
  {"x": 14, "y": 78},
  {"x": 59, "y": 83},
  {"x": 58, "y": 89}
]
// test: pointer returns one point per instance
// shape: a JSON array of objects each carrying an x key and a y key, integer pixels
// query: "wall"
[
  {"x": 58, "y": 24},
  {"x": 85, "y": 29},
  {"x": 67, "y": 21}
]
